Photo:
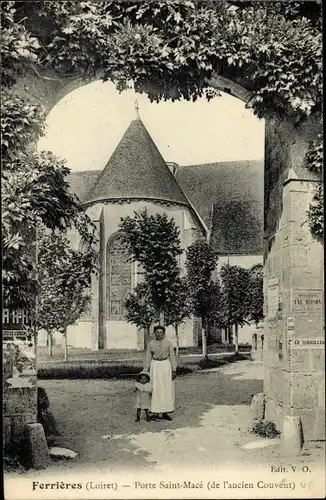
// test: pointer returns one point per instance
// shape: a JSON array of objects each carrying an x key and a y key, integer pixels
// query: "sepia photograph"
[{"x": 163, "y": 249}]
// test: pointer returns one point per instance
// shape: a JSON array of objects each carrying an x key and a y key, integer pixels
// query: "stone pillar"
[{"x": 293, "y": 285}]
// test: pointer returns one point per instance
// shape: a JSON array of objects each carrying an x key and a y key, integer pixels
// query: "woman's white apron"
[{"x": 163, "y": 395}]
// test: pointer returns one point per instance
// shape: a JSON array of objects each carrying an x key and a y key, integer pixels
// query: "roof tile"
[{"x": 136, "y": 169}]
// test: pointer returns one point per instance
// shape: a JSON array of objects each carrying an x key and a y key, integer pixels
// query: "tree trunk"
[
  {"x": 230, "y": 334},
  {"x": 204, "y": 343},
  {"x": 65, "y": 334},
  {"x": 146, "y": 337},
  {"x": 236, "y": 339},
  {"x": 162, "y": 320},
  {"x": 50, "y": 343},
  {"x": 177, "y": 340}
]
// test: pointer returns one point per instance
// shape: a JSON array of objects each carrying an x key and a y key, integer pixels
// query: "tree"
[
  {"x": 140, "y": 309},
  {"x": 34, "y": 188},
  {"x": 256, "y": 297},
  {"x": 64, "y": 276},
  {"x": 216, "y": 317},
  {"x": 153, "y": 241},
  {"x": 235, "y": 286},
  {"x": 178, "y": 308},
  {"x": 201, "y": 261}
]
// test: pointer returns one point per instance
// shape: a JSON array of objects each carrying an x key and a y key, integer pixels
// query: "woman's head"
[{"x": 159, "y": 332}]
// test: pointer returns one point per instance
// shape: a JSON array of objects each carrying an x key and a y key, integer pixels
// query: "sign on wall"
[
  {"x": 307, "y": 301},
  {"x": 18, "y": 346},
  {"x": 307, "y": 343},
  {"x": 273, "y": 297}
]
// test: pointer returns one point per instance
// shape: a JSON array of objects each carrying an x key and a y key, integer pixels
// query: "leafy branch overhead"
[
  {"x": 314, "y": 162},
  {"x": 170, "y": 50},
  {"x": 35, "y": 191}
]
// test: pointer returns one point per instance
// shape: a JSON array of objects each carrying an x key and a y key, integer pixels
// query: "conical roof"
[{"x": 136, "y": 170}]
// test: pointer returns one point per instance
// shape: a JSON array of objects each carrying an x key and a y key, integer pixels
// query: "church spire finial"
[{"x": 137, "y": 108}]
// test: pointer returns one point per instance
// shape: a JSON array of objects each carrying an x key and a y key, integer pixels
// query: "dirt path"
[
  {"x": 86, "y": 410},
  {"x": 210, "y": 425}
]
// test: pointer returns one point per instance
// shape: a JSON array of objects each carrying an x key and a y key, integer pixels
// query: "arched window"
[{"x": 119, "y": 273}]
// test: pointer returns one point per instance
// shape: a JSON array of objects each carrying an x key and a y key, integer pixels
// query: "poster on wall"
[
  {"x": 273, "y": 294},
  {"x": 307, "y": 302}
]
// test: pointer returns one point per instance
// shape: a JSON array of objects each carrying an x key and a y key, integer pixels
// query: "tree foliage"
[
  {"x": 256, "y": 296},
  {"x": 178, "y": 309},
  {"x": 314, "y": 162},
  {"x": 153, "y": 241},
  {"x": 64, "y": 276},
  {"x": 170, "y": 49},
  {"x": 235, "y": 285},
  {"x": 35, "y": 192},
  {"x": 201, "y": 261},
  {"x": 140, "y": 308}
]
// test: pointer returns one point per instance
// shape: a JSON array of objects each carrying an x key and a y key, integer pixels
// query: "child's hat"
[{"x": 143, "y": 372}]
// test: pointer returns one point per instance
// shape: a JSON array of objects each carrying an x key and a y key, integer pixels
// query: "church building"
[{"x": 219, "y": 202}]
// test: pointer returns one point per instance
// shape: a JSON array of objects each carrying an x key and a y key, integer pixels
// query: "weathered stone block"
[
  {"x": 318, "y": 431},
  {"x": 257, "y": 408},
  {"x": 18, "y": 399},
  {"x": 270, "y": 357},
  {"x": 18, "y": 423},
  {"x": 312, "y": 420},
  {"x": 276, "y": 385},
  {"x": 287, "y": 234},
  {"x": 321, "y": 391},
  {"x": 311, "y": 276},
  {"x": 318, "y": 360},
  {"x": 305, "y": 390},
  {"x": 300, "y": 360},
  {"x": 274, "y": 412},
  {"x": 292, "y": 436},
  {"x": 37, "y": 450},
  {"x": 307, "y": 326}
]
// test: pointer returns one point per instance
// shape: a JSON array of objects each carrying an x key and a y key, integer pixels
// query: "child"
[{"x": 143, "y": 390}]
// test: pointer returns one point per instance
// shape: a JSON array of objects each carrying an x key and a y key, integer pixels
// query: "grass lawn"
[
  {"x": 111, "y": 354},
  {"x": 108, "y": 369}
]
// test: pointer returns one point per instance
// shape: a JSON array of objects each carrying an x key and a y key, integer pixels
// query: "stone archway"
[{"x": 293, "y": 258}]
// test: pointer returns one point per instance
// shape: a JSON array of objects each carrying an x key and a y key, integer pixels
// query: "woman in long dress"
[{"x": 160, "y": 361}]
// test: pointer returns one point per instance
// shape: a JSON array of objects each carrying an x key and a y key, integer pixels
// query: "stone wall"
[{"x": 293, "y": 285}]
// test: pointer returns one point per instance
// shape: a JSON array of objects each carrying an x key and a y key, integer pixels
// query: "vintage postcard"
[{"x": 162, "y": 221}]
